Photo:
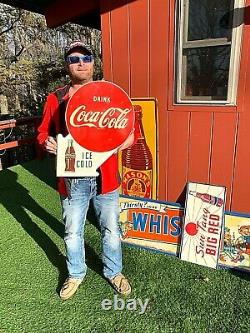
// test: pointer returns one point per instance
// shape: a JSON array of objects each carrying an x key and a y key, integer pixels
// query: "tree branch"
[{"x": 12, "y": 23}]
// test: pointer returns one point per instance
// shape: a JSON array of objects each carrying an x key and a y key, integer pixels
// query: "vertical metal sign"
[{"x": 203, "y": 224}]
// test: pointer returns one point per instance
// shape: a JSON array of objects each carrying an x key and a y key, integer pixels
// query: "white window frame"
[{"x": 234, "y": 64}]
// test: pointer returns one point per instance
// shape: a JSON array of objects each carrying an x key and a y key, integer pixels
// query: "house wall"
[{"x": 196, "y": 143}]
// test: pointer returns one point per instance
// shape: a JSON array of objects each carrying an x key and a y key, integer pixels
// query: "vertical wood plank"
[
  {"x": 139, "y": 47},
  {"x": 199, "y": 147},
  {"x": 223, "y": 152},
  {"x": 158, "y": 82},
  {"x": 178, "y": 138},
  {"x": 106, "y": 40},
  {"x": 120, "y": 46},
  {"x": 241, "y": 179}
]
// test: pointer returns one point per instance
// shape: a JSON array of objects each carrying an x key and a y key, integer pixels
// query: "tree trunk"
[{"x": 4, "y": 105}]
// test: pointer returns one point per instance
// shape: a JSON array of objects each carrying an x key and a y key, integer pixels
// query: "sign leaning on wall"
[
  {"x": 203, "y": 224},
  {"x": 151, "y": 224},
  {"x": 157, "y": 226},
  {"x": 150, "y": 220},
  {"x": 139, "y": 163}
]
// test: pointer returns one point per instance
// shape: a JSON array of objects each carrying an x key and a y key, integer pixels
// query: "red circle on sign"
[
  {"x": 191, "y": 228},
  {"x": 100, "y": 116}
]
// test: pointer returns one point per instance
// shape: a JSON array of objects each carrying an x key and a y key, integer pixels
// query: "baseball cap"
[{"x": 77, "y": 45}]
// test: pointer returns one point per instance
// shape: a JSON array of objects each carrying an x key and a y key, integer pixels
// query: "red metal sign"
[{"x": 100, "y": 116}]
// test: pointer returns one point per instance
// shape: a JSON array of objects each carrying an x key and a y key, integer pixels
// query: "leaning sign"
[
  {"x": 157, "y": 225},
  {"x": 99, "y": 119},
  {"x": 203, "y": 224},
  {"x": 150, "y": 220}
]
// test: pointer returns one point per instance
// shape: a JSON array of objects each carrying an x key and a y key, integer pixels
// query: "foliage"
[{"x": 32, "y": 57}]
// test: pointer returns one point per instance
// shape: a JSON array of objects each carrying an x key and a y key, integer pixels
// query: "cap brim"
[{"x": 78, "y": 47}]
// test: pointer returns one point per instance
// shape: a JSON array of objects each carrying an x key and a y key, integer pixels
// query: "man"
[{"x": 76, "y": 193}]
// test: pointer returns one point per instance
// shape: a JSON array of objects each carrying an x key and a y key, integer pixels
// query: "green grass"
[{"x": 33, "y": 269}]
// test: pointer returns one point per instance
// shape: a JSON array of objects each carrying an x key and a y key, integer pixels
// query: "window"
[{"x": 208, "y": 50}]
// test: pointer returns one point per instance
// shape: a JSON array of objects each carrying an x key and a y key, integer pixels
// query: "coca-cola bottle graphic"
[
  {"x": 70, "y": 157},
  {"x": 208, "y": 198},
  {"x": 137, "y": 165}
]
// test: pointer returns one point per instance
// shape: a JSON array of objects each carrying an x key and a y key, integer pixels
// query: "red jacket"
[{"x": 109, "y": 173}]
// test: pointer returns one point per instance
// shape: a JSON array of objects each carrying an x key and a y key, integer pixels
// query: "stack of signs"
[
  {"x": 99, "y": 118},
  {"x": 203, "y": 224}
]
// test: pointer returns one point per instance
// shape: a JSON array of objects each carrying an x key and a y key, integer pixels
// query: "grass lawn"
[{"x": 181, "y": 299}]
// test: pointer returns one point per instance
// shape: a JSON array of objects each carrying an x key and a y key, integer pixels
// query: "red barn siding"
[
  {"x": 201, "y": 125},
  {"x": 139, "y": 47},
  {"x": 178, "y": 144},
  {"x": 106, "y": 46},
  {"x": 158, "y": 79},
  {"x": 196, "y": 143},
  {"x": 240, "y": 200},
  {"x": 120, "y": 47},
  {"x": 223, "y": 151},
  {"x": 241, "y": 182}
]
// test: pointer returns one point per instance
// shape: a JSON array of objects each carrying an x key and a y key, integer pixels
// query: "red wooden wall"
[{"x": 196, "y": 143}]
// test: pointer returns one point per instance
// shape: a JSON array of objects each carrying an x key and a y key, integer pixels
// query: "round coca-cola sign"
[{"x": 100, "y": 116}]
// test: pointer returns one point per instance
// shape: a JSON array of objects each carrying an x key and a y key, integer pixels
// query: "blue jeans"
[{"x": 75, "y": 207}]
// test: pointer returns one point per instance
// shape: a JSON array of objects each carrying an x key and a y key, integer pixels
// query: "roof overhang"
[
  {"x": 60, "y": 12},
  {"x": 83, "y": 12},
  {"x": 57, "y": 12}
]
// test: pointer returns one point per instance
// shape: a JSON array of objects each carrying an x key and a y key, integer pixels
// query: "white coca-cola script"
[{"x": 110, "y": 118}]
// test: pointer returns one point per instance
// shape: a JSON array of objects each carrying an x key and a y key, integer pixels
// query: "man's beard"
[{"x": 78, "y": 80}]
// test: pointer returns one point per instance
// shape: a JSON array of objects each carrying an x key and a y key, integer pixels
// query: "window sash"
[{"x": 206, "y": 43}]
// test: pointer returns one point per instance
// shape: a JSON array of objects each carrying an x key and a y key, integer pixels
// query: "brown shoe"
[
  {"x": 69, "y": 288},
  {"x": 121, "y": 284}
]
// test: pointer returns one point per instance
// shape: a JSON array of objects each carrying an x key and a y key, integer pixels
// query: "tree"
[{"x": 32, "y": 61}]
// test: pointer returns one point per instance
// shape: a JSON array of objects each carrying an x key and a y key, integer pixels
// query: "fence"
[{"x": 22, "y": 132}]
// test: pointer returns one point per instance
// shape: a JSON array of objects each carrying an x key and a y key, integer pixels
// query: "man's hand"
[
  {"x": 128, "y": 142},
  {"x": 50, "y": 145}
]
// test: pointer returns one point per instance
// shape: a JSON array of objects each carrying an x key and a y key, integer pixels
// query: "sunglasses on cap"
[{"x": 76, "y": 59}]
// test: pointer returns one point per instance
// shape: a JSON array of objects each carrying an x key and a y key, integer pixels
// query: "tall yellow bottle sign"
[{"x": 137, "y": 165}]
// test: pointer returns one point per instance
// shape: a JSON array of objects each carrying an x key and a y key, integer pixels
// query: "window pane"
[
  {"x": 209, "y": 19},
  {"x": 207, "y": 71}
]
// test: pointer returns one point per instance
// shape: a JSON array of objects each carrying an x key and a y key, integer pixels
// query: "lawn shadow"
[
  {"x": 44, "y": 169},
  {"x": 243, "y": 274},
  {"x": 16, "y": 200}
]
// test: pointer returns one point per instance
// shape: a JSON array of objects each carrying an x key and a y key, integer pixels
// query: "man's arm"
[{"x": 44, "y": 139}]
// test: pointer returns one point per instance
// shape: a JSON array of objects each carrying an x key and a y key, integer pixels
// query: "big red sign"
[
  {"x": 100, "y": 116},
  {"x": 203, "y": 224}
]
